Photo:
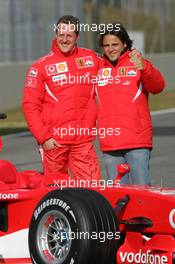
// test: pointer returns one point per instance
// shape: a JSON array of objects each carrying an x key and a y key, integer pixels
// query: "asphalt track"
[{"x": 22, "y": 150}]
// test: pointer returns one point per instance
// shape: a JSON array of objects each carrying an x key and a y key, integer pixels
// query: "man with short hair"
[{"x": 61, "y": 113}]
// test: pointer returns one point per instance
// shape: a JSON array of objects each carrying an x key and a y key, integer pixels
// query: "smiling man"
[
  {"x": 60, "y": 113},
  {"x": 67, "y": 36},
  {"x": 125, "y": 81}
]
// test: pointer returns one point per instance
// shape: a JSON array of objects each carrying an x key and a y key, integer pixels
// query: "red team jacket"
[
  {"x": 123, "y": 110},
  {"x": 58, "y": 97}
]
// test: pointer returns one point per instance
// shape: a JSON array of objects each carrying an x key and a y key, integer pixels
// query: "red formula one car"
[{"x": 54, "y": 219}]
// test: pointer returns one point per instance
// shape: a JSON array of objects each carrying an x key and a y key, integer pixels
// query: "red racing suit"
[
  {"x": 59, "y": 100},
  {"x": 123, "y": 111},
  {"x": 59, "y": 96}
]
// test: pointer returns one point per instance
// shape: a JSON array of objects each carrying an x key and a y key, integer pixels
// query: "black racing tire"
[{"x": 86, "y": 215}]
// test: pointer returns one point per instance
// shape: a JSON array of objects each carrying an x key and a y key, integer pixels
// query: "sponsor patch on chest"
[
  {"x": 104, "y": 76},
  {"x": 84, "y": 62},
  {"x": 56, "y": 68},
  {"x": 127, "y": 71},
  {"x": 105, "y": 73},
  {"x": 59, "y": 79}
]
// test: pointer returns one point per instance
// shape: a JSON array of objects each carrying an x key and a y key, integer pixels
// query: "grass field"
[{"x": 16, "y": 123}]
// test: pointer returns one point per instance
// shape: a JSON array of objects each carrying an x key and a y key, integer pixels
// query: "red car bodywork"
[{"x": 146, "y": 216}]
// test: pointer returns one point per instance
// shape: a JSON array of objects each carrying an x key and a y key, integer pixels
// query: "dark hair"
[
  {"x": 119, "y": 31},
  {"x": 69, "y": 20}
]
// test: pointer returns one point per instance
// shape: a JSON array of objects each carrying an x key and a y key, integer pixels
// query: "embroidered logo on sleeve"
[
  {"x": 31, "y": 82},
  {"x": 33, "y": 72},
  {"x": 83, "y": 62}
]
